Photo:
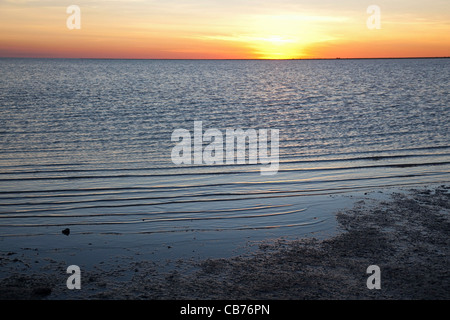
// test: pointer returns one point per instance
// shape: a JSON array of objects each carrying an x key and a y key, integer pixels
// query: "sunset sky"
[{"x": 224, "y": 29}]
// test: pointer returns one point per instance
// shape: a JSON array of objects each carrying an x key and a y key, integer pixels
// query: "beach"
[{"x": 405, "y": 233}]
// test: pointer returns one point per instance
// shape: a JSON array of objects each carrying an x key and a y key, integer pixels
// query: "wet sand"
[{"x": 407, "y": 236}]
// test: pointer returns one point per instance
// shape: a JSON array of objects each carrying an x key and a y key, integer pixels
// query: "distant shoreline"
[{"x": 243, "y": 59}]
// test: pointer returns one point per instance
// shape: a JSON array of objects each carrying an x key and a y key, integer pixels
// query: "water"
[{"x": 86, "y": 144}]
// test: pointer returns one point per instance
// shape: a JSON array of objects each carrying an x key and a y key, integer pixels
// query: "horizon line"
[{"x": 238, "y": 59}]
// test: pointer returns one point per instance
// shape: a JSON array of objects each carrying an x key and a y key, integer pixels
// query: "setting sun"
[
  {"x": 286, "y": 36},
  {"x": 277, "y": 47},
  {"x": 200, "y": 29}
]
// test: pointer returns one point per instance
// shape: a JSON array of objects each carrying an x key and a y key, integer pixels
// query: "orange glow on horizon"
[{"x": 199, "y": 29}]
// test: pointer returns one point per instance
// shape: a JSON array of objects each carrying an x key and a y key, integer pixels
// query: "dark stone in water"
[{"x": 66, "y": 231}]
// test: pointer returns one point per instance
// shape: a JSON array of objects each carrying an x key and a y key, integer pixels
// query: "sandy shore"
[{"x": 407, "y": 236}]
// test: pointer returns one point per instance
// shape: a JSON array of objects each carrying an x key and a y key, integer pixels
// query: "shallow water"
[{"x": 86, "y": 144}]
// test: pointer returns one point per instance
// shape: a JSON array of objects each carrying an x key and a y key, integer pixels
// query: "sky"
[{"x": 225, "y": 29}]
